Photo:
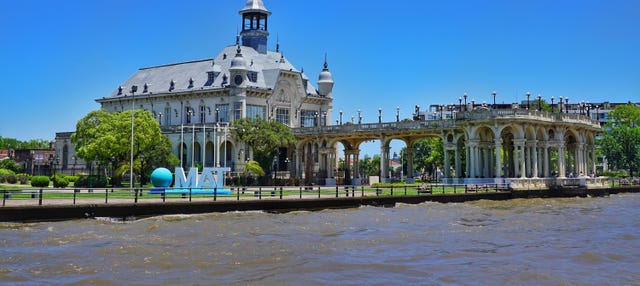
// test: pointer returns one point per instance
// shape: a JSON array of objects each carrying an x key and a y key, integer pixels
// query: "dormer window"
[
  {"x": 172, "y": 85},
  {"x": 253, "y": 76},
  {"x": 211, "y": 77},
  {"x": 145, "y": 88},
  {"x": 190, "y": 83},
  {"x": 120, "y": 90},
  {"x": 224, "y": 79}
]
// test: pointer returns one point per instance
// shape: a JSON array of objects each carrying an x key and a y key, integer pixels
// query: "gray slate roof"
[{"x": 158, "y": 79}]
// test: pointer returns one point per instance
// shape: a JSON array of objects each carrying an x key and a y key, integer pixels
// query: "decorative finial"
[
  {"x": 282, "y": 58},
  {"x": 326, "y": 66},
  {"x": 277, "y": 44}
]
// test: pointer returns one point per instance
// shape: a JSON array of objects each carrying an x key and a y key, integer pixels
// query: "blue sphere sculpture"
[{"x": 161, "y": 178}]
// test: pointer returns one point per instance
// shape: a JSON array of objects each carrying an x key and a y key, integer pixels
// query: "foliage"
[
  {"x": 11, "y": 165},
  {"x": 253, "y": 168},
  {"x": 40, "y": 181},
  {"x": 5, "y": 174},
  {"x": 620, "y": 141},
  {"x": 370, "y": 166},
  {"x": 71, "y": 178},
  {"x": 23, "y": 179},
  {"x": 101, "y": 136},
  {"x": 60, "y": 183},
  {"x": 15, "y": 144},
  {"x": 428, "y": 155},
  {"x": 264, "y": 138},
  {"x": 91, "y": 181}
]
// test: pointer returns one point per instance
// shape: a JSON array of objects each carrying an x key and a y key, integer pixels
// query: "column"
[
  {"x": 561, "y": 162},
  {"x": 534, "y": 172},
  {"x": 298, "y": 166},
  {"x": 515, "y": 155},
  {"x": 467, "y": 161},
  {"x": 446, "y": 162},
  {"x": 356, "y": 162},
  {"x": 457, "y": 163},
  {"x": 485, "y": 161},
  {"x": 545, "y": 164},
  {"x": 523, "y": 167},
  {"x": 498, "y": 162},
  {"x": 384, "y": 161},
  {"x": 410, "y": 162}
]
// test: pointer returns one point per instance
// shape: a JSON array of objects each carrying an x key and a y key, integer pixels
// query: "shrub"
[
  {"x": 11, "y": 179},
  {"x": 91, "y": 181},
  {"x": 71, "y": 178},
  {"x": 4, "y": 173},
  {"x": 40, "y": 181},
  {"x": 60, "y": 183},
  {"x": 23, "y": 178}
]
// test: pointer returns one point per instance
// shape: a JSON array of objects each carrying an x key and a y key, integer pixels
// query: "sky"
[{"x": 57, "y": 57}]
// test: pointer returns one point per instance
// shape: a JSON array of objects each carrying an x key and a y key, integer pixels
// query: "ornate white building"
[{"x": 195, "y": 101}]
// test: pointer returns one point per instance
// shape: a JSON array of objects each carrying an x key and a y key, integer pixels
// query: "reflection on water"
[{"x": 581, "y": 241}]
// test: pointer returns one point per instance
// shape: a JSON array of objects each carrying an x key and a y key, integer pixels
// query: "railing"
[{"x": 73, "y": 196}]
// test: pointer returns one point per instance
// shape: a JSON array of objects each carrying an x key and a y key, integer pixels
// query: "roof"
[
  {"x": 194, "y": 75},
  {"x": 255, "y": 6}
]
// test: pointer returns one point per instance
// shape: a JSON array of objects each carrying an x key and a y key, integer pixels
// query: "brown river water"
[{"x": 577, "y": 241}]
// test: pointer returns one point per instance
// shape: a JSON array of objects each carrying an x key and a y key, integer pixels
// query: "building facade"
[{"x": 195, "y": 102}]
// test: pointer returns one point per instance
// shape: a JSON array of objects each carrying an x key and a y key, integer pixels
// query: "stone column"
[
  {"x": 299, "y": 154},
  {"x": 467, "y": 160},
  {"x": 534, "y": 172},
  {"x": 446, "y": 162},
  {"x": 409, "y": 163},
  {"x": 457, "y": 163},
  {"x": 498, "y": 162},
  {"x": 384, "y": 161},
  {"x": 561, "y": 162},
  {"x": 545, "y": 164}
]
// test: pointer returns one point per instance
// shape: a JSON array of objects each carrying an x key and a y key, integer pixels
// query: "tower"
[{"x": 254, "y": 25}]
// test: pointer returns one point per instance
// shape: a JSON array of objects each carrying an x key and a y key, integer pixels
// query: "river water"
[{"x": 577, "y": 241}]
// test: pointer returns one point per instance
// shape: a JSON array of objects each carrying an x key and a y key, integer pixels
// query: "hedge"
[{"x": 40, "y": 181}]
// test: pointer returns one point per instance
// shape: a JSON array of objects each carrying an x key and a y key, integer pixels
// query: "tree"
[
  {"x": 15, "y": 144},
  {"x": 102, "y": 136},
  {"x": 428, "y": 154},
  {"x": 370, "y": 166},
  {"x": 264, "y": 138},
  {"x": 620, "y": 140}
]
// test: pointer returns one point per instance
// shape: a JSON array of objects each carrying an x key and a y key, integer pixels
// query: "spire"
[
  {"x": 326, "y": 66},
  {"x": 277, "y": 44}
]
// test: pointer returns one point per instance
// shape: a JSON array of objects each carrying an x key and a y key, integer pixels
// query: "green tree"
[
  {"x": 15, "y": 144},
  {"x": 264, "y": 138},
  {"x": 370, "y": 166},
  {"x": 620, "y": 140},
  {"x": 102, "y": 136},
  {"x": 428, "y": 155}
]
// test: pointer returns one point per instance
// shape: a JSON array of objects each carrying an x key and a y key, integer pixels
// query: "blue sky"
[{"x": 56, "y": 57}]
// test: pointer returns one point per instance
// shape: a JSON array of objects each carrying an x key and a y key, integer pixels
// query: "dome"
[
  {"x": 325, "y": 76},
  {"x": 238, "y": 62}
]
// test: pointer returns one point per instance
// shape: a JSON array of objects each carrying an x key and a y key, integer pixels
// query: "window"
[
  {"x": 167, "y": 115},
  {"x": 307, "y": 118},
  {"x": 187, "y": 112},
  {"x": 202, "y": 114},
  {"x": 211, "y": 77},
  {"x": 256, "y": 111},
  {"x": 237, "y": 110},
  {"x": 282, "y": 116},
  {"x": 253, "y": 76},
  {"x": 222, "y": 113}
]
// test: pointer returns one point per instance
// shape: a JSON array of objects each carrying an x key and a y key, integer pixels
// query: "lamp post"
[
  {"x": 539, "y": 102},
  {"x": 359, "y": 116},
  {"x": 582, "y": 107},
  {"x": 552, "y": 104},
  {"x": 441, "y": 108},
  {"x": 397, "y": 113},
  {"x": 528, "y": 96},
  {"x": 193, "y": 136},
  {"x": 473, "y": 103},
  {"x": 340, "y": 117},
  {"x": 379, "y": 115},
  {"x": 588, "y": 109},
  {"x": 134, "y": 88},
  {"x": 275, "y": 169},
  {"x": 73, "y": 170},
  {"x": 494, "y": 99},
  {"x": 160, "y": 118},
  {"x": 465, "y": 101},
  {"x": 460, "y": 103},
  {"x": 566, "y": 104},
  {"x": 560, "y": 103},
  {"x": 113, "y": 160},
  {"x": 141, "y": 170}
]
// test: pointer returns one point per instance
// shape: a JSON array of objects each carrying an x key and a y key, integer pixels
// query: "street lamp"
[
  {"x": 539, "y": 102},
  {"x": 359, "y": 116},
  {"x": 217, "y": 114},
  {"x": 441, "y": 108},
  {"x": 134, "y": 88},
  {"x": 494, "y": 99},
  {"x": 473, "y": 103},
  {"x": 113, "y": 160},
  {"x": 397, "y": 113},
  {"x": 73, "y": 171},
  {"x": 193, "y": 136},
  {"x": 465, "y": 101},
  {"x": 460, "y": 103},
  {"x": 340, "y": 117},
  {"x": 324, "y": 118},
  {"x": 379, "y": 115},
  {"x": 552, "y": 104},
  {"x": 566, "y": 104},
  {"x": 560, "y": 103},
  {"x": 528, "y": 95}
]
